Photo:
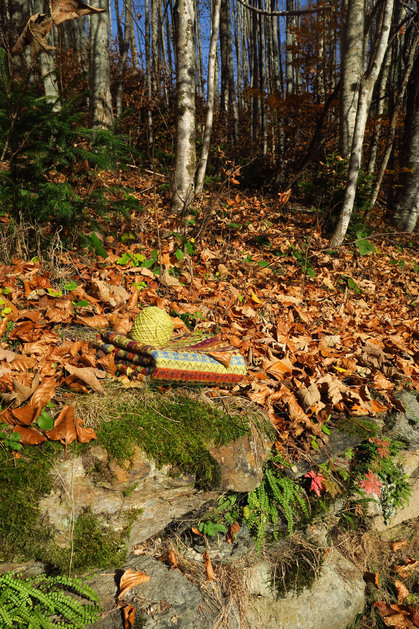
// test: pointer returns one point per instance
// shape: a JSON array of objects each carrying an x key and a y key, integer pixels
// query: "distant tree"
[
  {"x": 407, "y": 208},
  {"x": 100, "y": 102}
]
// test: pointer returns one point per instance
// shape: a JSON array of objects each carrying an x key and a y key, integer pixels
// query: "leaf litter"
[{"x": 315, "y": 348}]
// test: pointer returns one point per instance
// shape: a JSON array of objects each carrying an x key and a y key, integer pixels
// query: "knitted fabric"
[{"x": 192, "y": 358}]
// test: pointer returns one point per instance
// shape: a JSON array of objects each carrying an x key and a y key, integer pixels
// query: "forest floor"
[{"x": 323, "y": 331}]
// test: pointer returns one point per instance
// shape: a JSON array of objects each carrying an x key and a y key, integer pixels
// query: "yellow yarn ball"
[{"x": 152, "y": 326}]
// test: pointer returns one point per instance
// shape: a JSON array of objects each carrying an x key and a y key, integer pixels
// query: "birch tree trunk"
[
  {"x": 407, "y": 209},
  {"x": 212, "y": 59},
  {"x": 352, "y": 67},
  {"x": 124, "y": 43},
  {"x": 185, "y": 125},
  {"x": 364, "y": 101},
  {"x": 100, "y": 101}
]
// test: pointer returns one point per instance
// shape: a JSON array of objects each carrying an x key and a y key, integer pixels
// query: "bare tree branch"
[{"x": 285, "y": 13}]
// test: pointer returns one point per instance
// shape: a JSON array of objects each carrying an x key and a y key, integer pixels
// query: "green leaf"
[
  {"x": 15, "y": 436},
  {"x": 124, "y": 259},
  {"x": 263, "y": 264},
  {"x": 69, "y": 286},
  {"x": 179, "y": 254},
  {"x": 44, "y": 421},
  {"x": 97, "y": 246},
  {"x": 190, "y": 248},
  {"x": 364, "y": 245},
  {"x": 325, "y": 430},
  {"x": 353, "y": 286},
  {"x": 80, "y": 304},
  {"x": 234, "y": 226},
  {"x": 311, "y": 272}
]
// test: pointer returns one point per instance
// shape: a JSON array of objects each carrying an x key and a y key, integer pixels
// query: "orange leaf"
[
  {"x": 84, "y": 434},
  {"x": 402, "y": 591},
  {"x": 44, "y": 393},
  {"x": 64, "y": 429},
  {"x": 170, "y": 558},
  {"x": 196, "y": 531},
  {"x": 395, "y": 546},
  {"x": 233, "y": 529},
  {"x": 377, "y": 407},
  {"x": 208, "y": 566},
  {"x": 97, "y": 322},
  {"x": 25, "y": 415},
  {"x": 128, "y": 612},
  {"x": 87, "y": 374},
  {"x": 29, "y": 436},
  {"x": 130, "y": 579}
]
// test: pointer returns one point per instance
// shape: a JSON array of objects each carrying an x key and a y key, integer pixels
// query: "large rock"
[
  {"x": 333, "y": 601},
  {"x": 405, "y": 426}
]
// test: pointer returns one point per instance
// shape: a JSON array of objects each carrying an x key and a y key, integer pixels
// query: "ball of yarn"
[{"x": 152, "y": 326}]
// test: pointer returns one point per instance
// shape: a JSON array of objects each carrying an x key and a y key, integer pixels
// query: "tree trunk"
[
  {"x": 364, "y": 101},
  {"x": 352, "y": 67},
  {"x": 185, "y": 125},
  {"x": 100, "y": 102},
  {"x": 212, "y": 58},
  {"x": 407, "y": 209},
  {"x": 124, "y": 40}
]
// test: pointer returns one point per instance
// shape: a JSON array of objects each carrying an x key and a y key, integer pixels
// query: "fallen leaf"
[
  {"x": 128, "y": 612},
  {"x": 395, "y": 546},
  {"x": 170, "y": 558},
  {"x": 44, "y": 393},
  {"x": 64, "y": 429},
  {"x": 402, "y": 591},
  {"x": 405, "y": 570},
  {"x": 130, "y": 579},
  {"x": 62, "y": 10},
  {"x": 84, "y": 434},
  {"x": 87, "y": 374},
  {"x": 208, "y": 566},
  {"x": 232, "y": 530},
  {"x": 97, "y": 322},
  {"x": 196, "y": 532},
  {"x": 29, "y": 436}
]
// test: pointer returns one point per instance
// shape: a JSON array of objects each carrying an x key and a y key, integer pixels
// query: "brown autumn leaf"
[
  {"x": 62, "y": 10},
  {"x": 280, "y": 369},
  {"x": 35, "y": 34},
  {"x": 406, "y": 569},
  {"x": 395, "y": 546},
  {"x": 109, "y": 294},
  {"x": 19, "y": 395},
  {"x": 23, "y": 363},
  {"x": 208, "y": 566},
  {"x": 25, "y": 415},
  {"x": 232, "y": 530},
  {"x": 128, "y": 612},
  {"x": 169, "y": 557},
  {"x": 308, "y": 396},
  {"x": 196, "y": 531},
  {"x": 29, "y": 436},
  {"x": 295, "y": 411},
  {"x": 44, "y": 393},
  {"x": 7, "y": 355},
  {"x": 97, "y": 322},
  {"x": 130, "y": 579},
  {"x": 402, "y": 591},
  {"x": 87, "y": 374},
  {"x": 121, "y": 324},
  {"x": 64, "y": 428},
  {"x": 377, "y": 407},
  {"x": 84, "y": 434}
]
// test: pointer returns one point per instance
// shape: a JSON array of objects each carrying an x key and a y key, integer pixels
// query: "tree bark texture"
[
  {"x": 364, "y": 101},
  {"x": 185, "y": 125},
  {"x": 100, "y": 102}
]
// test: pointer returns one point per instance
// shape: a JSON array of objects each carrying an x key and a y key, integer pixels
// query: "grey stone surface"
[
  {"x": 405, "y": 426},
  {"x": 333, "y": 601}
]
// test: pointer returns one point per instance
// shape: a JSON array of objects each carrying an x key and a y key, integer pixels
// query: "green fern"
[
  {"x": 46, "y": 602},
  {"x": 275, "y": 495}
]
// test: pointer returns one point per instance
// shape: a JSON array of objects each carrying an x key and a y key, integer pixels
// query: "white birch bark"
[
  {"x": 364, "y": 101},
  {"x": 185, "y": 158},
  {"x": 100, "y": 102},
  {"x": 352, "y": 68},
  {"x": 212, "y": 59}
]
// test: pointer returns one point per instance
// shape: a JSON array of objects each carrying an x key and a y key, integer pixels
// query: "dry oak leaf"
[
  {"x": 7, "y": 355},
  {"x": 208, "y": 566},
  {"x": 110, "y": 294},
  {"x": 395, "y": 546},
  {"x": 62, "y": 10},
  {"x": 29, "y": 436},
  {"x": 64, "y": 428},
  {"x": 84, "y": 434},
  {"x": 130, "y": 579},
  {"x": 334, "y": 388},
  {"x": 88, "y": 375},
  {"x": 120, "y": 324},
  {"x": 405, "y": 570},
  {"x": 35, "y": 33},
  {"x": 308, "y": 396},
  {"x": 295, "y": 411}
]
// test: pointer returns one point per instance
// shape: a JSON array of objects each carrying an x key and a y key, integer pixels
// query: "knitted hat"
[{"x": 152, "y": 326}]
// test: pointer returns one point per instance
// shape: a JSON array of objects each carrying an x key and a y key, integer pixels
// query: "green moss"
[
  {"x": 94, "y": 544},
  {"x": 297, "y": 570},
  {"x": 23, "y": 482},
  {"x": 358, "y": 426},
  {"x": 175, "y": 431}
]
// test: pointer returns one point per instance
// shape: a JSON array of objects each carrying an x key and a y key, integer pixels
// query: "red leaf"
[
  {"x": 371, "y": 484},
  {"x": 317, "y": 482}
]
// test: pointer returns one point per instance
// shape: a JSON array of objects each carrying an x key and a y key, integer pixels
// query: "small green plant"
[
  {"x": 276, "y": 496},
  {"x": 46, "y": 602},
  {"x": 225, "y": 514},
  {"x": 10, "y": 441}
]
